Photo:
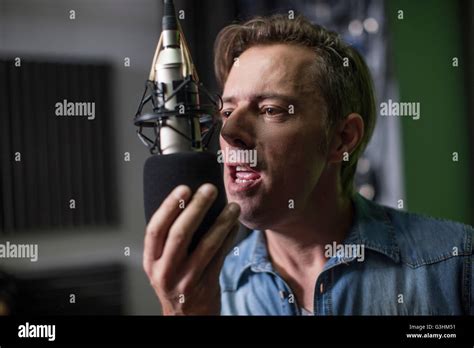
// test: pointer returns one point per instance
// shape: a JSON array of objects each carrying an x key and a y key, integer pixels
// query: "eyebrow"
[{"x": 258, "y": 97}]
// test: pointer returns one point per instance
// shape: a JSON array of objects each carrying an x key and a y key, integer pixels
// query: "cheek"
[
  {"x": 295, "y": 162},
  {"x": 295, "y": 150},
  {"x": 222, "y": 142}
]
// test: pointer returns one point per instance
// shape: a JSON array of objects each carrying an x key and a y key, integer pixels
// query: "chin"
[
  {"x": 259, "y": 217},
  {"x": 251, "y": 214},
  {"x": 253, "y": 225},
  {"x": 258, "y": 210}
]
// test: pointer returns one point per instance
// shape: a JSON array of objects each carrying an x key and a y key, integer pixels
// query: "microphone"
[{"x": 175, "y": 118}]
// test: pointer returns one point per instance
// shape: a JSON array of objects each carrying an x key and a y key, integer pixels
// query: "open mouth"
[{"x": 243, "y": 177}]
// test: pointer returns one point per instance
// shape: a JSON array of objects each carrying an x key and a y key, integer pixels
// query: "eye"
[
  {"x": 272, "y": 111},
  {"x": 226, "y": 113}
]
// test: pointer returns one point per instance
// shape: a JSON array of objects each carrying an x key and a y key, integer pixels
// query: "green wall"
[{"x": 423, "y": 45}]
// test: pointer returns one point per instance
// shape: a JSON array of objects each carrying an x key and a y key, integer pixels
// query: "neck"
[{"x": 300, "y": 240}]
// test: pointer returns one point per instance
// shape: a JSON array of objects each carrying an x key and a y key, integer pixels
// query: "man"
[{"x": 302, "y": 99}]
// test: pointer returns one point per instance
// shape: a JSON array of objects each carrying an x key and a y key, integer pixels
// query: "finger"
[
  {"x": 215, "y": 265},
  {"x": 183, "y": 228},
  {"x": 160, "y": 223},
  {"x": 213, "y": 241}
]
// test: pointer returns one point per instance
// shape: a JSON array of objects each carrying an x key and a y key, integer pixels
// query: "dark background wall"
[{"x": 424, "y": 43}]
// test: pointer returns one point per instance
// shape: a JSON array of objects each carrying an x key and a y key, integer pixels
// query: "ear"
[{"x": 347, "y": 135}]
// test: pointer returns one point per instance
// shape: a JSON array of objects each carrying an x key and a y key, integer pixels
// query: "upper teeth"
[{"x": 240, "y": 168}]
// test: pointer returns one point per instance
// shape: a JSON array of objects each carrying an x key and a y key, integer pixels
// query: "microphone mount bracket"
[{"x": 154, "y": 98}]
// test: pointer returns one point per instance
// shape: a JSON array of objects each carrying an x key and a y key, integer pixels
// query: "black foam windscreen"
[{"x": 162, "y": 173}]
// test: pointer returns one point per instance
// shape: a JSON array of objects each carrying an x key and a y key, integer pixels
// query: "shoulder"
[{"x": 423, "y": 240}]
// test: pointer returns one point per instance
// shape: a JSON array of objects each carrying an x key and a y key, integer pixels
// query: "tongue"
[{"x": 247, "y": 175}]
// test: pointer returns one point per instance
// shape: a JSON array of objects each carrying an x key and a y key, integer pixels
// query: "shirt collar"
[{"x": 372, "y": 228}]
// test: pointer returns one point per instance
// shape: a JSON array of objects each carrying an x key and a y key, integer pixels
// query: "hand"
[{"x": 188, "y": 283}]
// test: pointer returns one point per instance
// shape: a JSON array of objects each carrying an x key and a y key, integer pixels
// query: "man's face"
[{"x": 271, "y": 105}]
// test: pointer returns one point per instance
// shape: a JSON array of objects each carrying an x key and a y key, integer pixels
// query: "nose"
[{"x": 238, "y": 130}]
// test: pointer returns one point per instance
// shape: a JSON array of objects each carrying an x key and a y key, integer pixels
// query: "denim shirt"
[{"x": 412, "y": 265}]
